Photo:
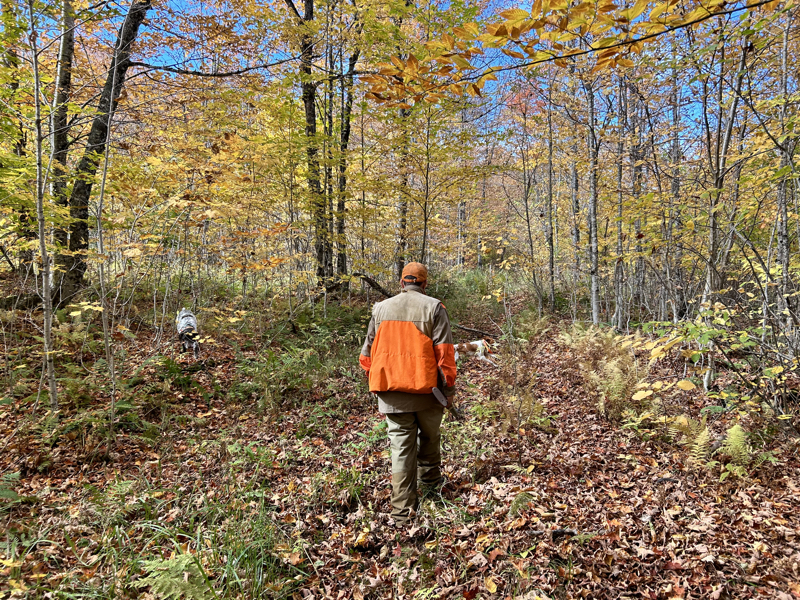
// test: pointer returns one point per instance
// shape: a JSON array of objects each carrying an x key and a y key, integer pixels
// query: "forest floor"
[{"x": 218, "y": 498}]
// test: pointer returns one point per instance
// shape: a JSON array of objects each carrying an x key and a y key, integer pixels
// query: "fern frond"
[
  {"x": 657, "y": 408},
  {"x": 736, "y": 446},
  {"x": 520, "y": 501},
  {"x": 174, "y": 579},
  {"x": 635, "y": 421},
  {"x": 763, "y": 457},
  {"x": 698, "y": 451},
  {"x": 685, "y": 430}
]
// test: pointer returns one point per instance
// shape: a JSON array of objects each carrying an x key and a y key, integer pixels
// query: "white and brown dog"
[{"x": 481, "y": 349}]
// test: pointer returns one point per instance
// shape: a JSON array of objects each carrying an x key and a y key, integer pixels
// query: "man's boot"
[{"x": 430, "y": 479}]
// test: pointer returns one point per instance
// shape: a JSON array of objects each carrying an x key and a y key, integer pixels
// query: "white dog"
[
  {"x": 481, "y": 349},
  {"x": 188, "y": 333}
]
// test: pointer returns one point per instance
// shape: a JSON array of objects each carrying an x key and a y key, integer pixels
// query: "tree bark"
[
  {"x": 576, "y": 210},
  {"x": 47, "y": 299},
  {"x": 550, "y": 231},
  {"x": 675, "y": 250},
  {"x": 402, "y": 203},
  {"x": 74, "y": 261},
  {"x": 60, "y": 139},
  {"x": 347, "y": 115},
  {"x": 308, "y": 89},
  {"x": 593, "y": 149},
  {"x": 783, "y": 188},
  {"x": 638, "y": 153},
  {"x": 718, "y": 157},
  {"x": 619, "y": 319}
]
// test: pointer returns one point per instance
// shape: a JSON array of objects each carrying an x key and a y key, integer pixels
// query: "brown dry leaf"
[
  {"x": 479, "y": 560},
  {"x": 495, "y": 553}
]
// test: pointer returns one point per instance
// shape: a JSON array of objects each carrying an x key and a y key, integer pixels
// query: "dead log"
[{"x": 373, "y": 284}]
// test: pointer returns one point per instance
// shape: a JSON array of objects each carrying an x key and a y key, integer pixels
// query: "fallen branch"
[
  {"x": 10, "y": 264},
  {"x": 478, "y": 331},
  {"x": 373, "y": 284}
]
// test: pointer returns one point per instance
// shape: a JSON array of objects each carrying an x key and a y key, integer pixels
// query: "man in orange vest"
[{"x": 410, "y": 360}]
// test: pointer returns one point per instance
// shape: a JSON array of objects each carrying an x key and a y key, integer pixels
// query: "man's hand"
[{"x": 450, "y": 401}]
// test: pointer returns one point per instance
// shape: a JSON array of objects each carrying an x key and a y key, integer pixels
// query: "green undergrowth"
[
  {"x": 174, "y": 540},
  {"x": 220, "y": 517},
  {"x": 206, "y": 534},
  {"x": 309, "y": 353},
  {"x": 207, "y": 518},
  {"x": 464, "y": 294}
]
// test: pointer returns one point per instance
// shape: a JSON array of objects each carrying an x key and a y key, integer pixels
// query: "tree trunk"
[
  {"x": 461, "y": 217},
  {"x": 308, "y": 90},
  {"x": 426, "y": 190},
  {"x": 74, "y": 262},
  {"x": 620, "y": 320},
  {"x": 718, "y": 157},
  {"x": 637, "y": 177},
  {"x": 550, "y": 231},
  {"x": 783, "y": 189},
  {"x": 347, "y": 114},
  {"x": 576, "y": 211},
  {"x": 675, "y": 251},
  {"x": 328, "y": 152},
  {"x": 402, "y": 203},
  {"x": 594, "y": 267},
  {"x": 47, "y": 299},
  {"x": 60, "y": 138}
]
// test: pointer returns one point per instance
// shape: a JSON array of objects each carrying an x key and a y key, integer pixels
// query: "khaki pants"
[{"x": 414, "y": 439}]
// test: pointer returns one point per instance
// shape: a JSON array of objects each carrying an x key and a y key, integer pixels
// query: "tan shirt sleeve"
[
  {"x": 444, "y": 350},
  {"x": 365, "y": 360}
]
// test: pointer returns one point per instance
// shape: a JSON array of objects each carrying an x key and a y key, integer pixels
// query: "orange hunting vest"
[{"x": 406, "y": 355}]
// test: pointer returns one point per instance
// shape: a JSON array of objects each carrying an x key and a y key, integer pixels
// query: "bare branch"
[{"x": 180, "y": 71}]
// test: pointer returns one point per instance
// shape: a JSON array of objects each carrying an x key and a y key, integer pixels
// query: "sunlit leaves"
[{"x": 553, "y": 31}]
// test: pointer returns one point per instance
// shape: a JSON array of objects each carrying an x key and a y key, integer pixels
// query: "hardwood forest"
[{"x": 605, "y": 192}]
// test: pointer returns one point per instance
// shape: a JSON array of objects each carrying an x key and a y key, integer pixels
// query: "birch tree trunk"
[
  {"x": 783, "y": 188},
  {"x": 550, "y": 230},
  {"x": 619, "y": 320},
  {"x": 594, "y": 266},
  {"x": 47, "y": 298}
]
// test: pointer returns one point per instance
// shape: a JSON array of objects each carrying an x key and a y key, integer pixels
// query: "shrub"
[
  {"x": 608, "y": 366},
  {"x": 530, "y": 325}
]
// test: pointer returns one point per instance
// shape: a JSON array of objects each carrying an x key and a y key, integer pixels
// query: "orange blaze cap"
[{"x": 415, "y": 273}]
